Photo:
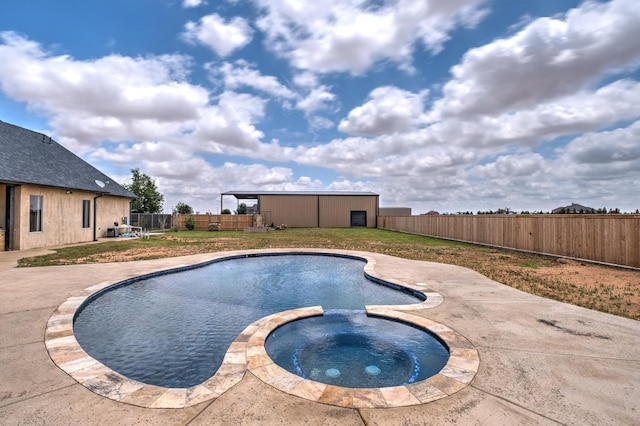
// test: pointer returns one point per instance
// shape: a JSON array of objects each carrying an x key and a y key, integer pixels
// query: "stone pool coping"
[{"x": 247, "y": 353}]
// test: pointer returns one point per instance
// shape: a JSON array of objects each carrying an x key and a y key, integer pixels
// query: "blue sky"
[{"x": 456, "y": 105}]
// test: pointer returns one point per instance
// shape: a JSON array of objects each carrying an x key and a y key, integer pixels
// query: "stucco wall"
[
  {"x": 111, "y": 209},
  {"x": 62, "y": 216}
]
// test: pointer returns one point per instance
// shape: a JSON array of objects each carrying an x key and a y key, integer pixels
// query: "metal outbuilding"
[{"x": 303, "y": 209}]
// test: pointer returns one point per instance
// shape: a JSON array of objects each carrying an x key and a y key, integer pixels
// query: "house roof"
[
  {"x": 573, "y": 208},
  {"x": 28, "y": 157},
  {"x": 247, "y": 195}
]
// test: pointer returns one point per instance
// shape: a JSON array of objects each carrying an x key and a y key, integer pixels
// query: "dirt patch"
[{"x": 614, "y": 286}]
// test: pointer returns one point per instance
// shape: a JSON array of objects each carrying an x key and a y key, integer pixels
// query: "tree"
[
  {"x": 242, "y": 209},
  {"x": 183, "y": 208},
  {"x": 149, "y": 199},
  {"x": 226, "y": 211}
]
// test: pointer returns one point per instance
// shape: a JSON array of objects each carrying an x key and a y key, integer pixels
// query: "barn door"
[{"x": 358, "y": 218}]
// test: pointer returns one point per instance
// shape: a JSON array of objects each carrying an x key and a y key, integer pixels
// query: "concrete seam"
[
  {"x": 39, "y": 395},
  {"x": 517, "y": 405},
  {"x": 364, "y": 422},
  {"x": 495, "y": 348},
  {"x": 201, "y": 411},
  {"x": 30, "y": 310}
]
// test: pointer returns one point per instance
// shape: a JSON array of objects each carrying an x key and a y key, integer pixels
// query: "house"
[
  {"x": 306, "y": 209},
  {"x": 49, "y": 196},
  {"x": 573, "y": 208}
]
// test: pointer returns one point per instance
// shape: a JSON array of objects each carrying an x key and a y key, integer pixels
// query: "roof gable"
[{"x": 28, "y": 157}]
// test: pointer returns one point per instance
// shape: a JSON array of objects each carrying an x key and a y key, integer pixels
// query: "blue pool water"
[
  {"x": 350, "y": 349},
  {"x": 174, "y": 329}
]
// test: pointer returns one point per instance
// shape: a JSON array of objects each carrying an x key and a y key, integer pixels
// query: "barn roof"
[{"x": 248, "y": 195}]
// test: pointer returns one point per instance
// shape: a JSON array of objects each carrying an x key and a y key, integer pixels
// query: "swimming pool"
[
  {"x": 174, "y": 329},
  {"x": 246, "y": 356}
]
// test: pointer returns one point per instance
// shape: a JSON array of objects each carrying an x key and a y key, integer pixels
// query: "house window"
[
  {"x": 35, "y": 213},
  {"x": 86, "y": 213}
]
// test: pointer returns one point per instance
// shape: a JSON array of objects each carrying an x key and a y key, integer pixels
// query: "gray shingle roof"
[
  {"x": 575, "y": 208},
  {"x": 28, "y": 157}
]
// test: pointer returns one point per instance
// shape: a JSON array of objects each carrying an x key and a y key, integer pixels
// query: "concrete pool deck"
[{"x": 541, "y": 361}]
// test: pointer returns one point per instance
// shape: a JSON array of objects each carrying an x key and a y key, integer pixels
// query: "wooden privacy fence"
[
  {"x": 228, "y": 222},
  {"x": 613, "y": 239}
]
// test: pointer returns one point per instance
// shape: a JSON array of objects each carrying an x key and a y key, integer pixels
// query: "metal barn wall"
[
  {"x": 316, "y": 210},
  {"x": 335, "y": 210},
  {"x": 295, "y": 211}
]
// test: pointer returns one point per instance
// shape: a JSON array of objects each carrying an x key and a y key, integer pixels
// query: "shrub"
[{"x": 190, "y": 223}]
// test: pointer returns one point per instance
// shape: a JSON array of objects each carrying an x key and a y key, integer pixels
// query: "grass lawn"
[{"x": 602, "y": 288}]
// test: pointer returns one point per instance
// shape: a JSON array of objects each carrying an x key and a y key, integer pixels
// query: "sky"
[{"x": 437, "y": 105}]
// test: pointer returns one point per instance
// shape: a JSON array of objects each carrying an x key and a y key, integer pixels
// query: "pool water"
[
  {"x": 173, "y": 330},
  {"x": 350, "y": 349}
]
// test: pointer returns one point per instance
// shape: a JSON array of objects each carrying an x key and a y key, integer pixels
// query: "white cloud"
[
  {"x": 389, "y": 110},
  {"x": 339, "y": 35},
  {"x": 240, "y": 75},
  {"x": 192, "y": 3},
  {"x": 210, "y": 181},
  {"x": 511, "y": 166},
  {"x": 123, "y": 99},
  {"x": 606, "y": 155},
  {"x": 220, "y": 36},
  {"x": 106, "y": 98},
  {"x": 306, "y": 79},
  {"x": 583, "y": 111},
  {"x": 547, "y": 59},
  {"x": 317, "y": 99},
  {"x": 221, "y": 130},
  {"x": 408, "y": 154}
]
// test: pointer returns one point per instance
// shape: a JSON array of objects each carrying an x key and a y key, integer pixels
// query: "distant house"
[
  {"x": 573, "y": 208},
  {"x": 49, "y": 196}
]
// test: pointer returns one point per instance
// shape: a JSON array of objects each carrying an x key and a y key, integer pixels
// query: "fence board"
[
  {"x": 613, "y": 239},
  {"x": 228, "y": 222}
]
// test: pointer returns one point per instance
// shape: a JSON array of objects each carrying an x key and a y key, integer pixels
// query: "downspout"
[{"x": 95, "y": 215}]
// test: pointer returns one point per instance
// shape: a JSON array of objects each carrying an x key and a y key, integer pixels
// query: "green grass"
[{"x": 190, "y": 242}]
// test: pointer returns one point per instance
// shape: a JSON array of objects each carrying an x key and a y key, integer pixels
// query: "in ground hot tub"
[{"x": 350, "y": 349}]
